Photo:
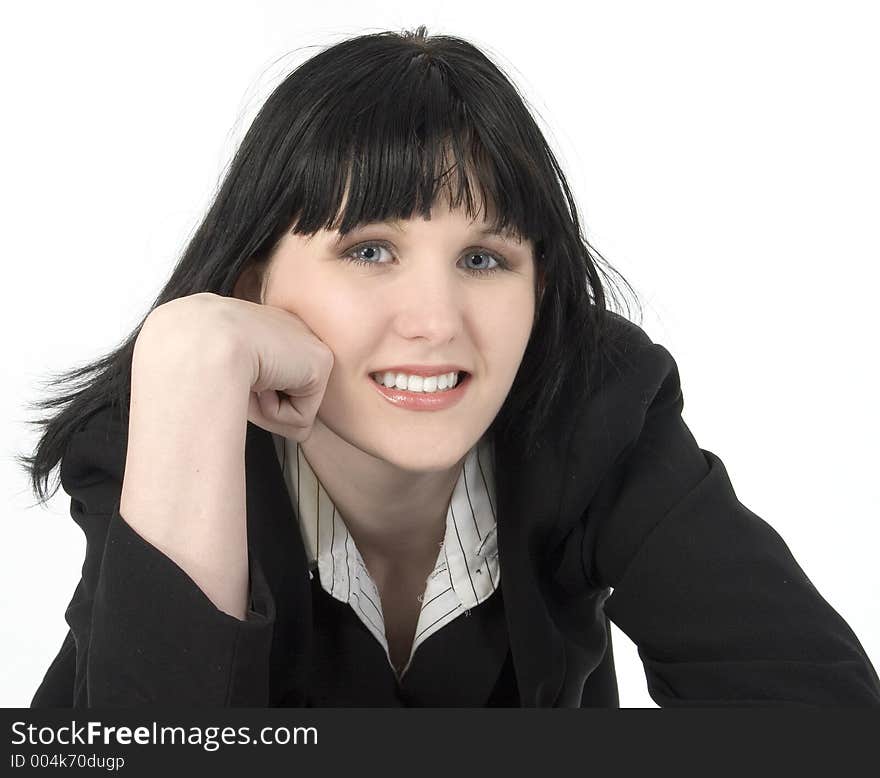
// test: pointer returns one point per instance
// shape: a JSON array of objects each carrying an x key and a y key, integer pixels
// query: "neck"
[{"x": 392, "y": 514}]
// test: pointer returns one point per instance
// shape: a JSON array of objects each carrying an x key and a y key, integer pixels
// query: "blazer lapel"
[
  {"x": 275, "y": 543},
  {"x": 527, "y": 496},
  {"x": 555, "y": 620}
]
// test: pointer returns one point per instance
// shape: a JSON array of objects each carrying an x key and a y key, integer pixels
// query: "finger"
[
  {"x": 261, "y": 412},
  {"x": 294, "y": 415}
]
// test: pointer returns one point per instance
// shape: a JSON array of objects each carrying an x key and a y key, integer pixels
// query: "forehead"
[
  {"x": 476, "y": 227},
  {"x": 483, "y": 223},
  {"x": 455, "y": 187}
]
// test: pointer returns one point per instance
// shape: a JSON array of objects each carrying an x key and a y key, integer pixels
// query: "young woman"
[{"x": 380, "y": 443}]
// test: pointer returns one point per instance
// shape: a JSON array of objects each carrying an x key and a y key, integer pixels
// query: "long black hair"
[{"x": 378, "y": 127}]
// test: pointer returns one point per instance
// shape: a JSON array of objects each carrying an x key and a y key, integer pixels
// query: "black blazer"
[{"x": 619, "y": 515}]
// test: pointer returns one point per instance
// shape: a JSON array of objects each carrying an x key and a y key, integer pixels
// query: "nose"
[{"x": 428, "y": 303}]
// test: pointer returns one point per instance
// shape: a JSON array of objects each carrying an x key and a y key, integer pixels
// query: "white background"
[{"x": 724, "y": 157}]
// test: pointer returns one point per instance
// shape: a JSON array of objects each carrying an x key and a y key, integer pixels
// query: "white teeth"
[{"x": 417, "y": 383}]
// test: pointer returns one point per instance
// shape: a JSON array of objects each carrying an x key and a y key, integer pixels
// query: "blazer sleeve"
[
  {"x": 719, "y": 609},
  {"x": 141, "y": 630}
]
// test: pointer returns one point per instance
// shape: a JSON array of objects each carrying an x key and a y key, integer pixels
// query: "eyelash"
[{"x": 346, "y": 257}]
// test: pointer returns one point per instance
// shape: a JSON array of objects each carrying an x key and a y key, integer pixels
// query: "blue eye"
[{"x": 348, "y": 256}]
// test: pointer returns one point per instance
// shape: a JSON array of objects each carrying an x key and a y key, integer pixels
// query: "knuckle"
[{"x": 326, "y": 357}]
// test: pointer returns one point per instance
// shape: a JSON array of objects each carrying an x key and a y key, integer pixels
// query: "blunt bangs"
[{"x": 412, "y": 134}]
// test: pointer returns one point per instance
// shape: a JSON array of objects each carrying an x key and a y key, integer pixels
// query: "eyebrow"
[{"x": 395, "y": 224}]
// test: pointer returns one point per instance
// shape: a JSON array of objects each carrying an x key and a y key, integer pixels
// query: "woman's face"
[{"x": 429, "y": 292}]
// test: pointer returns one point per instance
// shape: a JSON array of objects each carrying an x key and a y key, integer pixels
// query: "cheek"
[
  {"x": 510, "y": 315},
  {"x": 503, "y": 336},
  {"x": 344, "y": 322},
  {"x": 336, "y": 318}
]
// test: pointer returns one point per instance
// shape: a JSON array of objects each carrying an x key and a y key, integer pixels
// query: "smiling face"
[{"x": 424, "y": 292}]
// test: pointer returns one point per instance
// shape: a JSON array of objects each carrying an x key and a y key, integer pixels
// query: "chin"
[
  {"x": 422, "y": 458},
  {"x": 410, "y": 449}
]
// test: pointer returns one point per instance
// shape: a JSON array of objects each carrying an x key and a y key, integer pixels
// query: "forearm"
[{"x": 184, "y": 484}]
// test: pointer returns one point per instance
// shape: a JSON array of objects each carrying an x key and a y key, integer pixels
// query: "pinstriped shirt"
[{"x": 465, "y": 574}]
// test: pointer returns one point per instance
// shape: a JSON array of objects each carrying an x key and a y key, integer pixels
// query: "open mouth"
[
  {"x": 424, "y": 386},
  {"x": 432, "y": 400}
]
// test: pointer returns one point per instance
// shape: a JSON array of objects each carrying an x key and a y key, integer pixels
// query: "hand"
[{"x": 285, "y": 364}]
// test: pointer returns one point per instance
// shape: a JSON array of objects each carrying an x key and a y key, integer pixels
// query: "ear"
[{"x": 249, "y": 285}]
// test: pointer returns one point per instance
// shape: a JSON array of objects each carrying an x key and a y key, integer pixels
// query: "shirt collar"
[{"x": 467, "y": 568}]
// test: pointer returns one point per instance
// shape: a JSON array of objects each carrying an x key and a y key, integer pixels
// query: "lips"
[
  {"x": 422, "y": 401},
  {"x": 459, "y": 377},
  {"x": 422, "y": 370}
]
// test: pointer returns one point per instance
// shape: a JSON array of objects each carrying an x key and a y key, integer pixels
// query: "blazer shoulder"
[
  {"x": 629, "y": 371},
  {"x": 625, "y": 331},
  {"x": 624, "y": 343},
  {"x": 94, "y": 458}
]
